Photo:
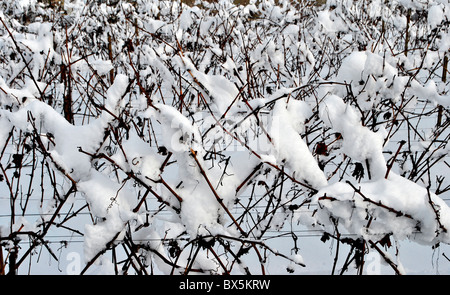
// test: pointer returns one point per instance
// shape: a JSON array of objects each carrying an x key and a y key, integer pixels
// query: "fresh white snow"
[{"x": 204, "y": 137}]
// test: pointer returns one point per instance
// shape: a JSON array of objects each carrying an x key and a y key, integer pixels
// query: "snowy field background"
[{"x": 262, "y": 137}]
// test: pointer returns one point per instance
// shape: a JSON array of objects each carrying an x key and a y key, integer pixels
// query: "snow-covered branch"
[{"x": 172, "y": 139}]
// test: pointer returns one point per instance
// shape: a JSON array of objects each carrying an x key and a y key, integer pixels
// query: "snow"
[
  {"x": 330, "y": 22},
  {"x": 368, "y": 74},
  {"x": 359, "y": 142},
  {"x": 221, "y": 91},
  {"x": 226, "y": 124},
  {"x": 110, "y": 202},
  {"x": 101, "y": 66},
  {"x": 430, "y": 92},
  {"x": 285, "y": 129},
  {"x": 396, "y": 192},
  {"x": 435, "y": 15}
]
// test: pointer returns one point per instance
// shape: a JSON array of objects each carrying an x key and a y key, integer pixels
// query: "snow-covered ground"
[{"x": 155, "y": 137}]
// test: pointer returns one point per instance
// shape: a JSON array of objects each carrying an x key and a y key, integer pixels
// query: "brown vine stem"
[
  {"x": 379, "y": 203},
  {"x": 23, "y": 59},
  {"x": 436, "y": 212},
  {"x": 389, "y": 167},
  {"x": 47, "y": 227},
  {"x": 386, "y": 258},
  {"x": 107, "y": 246},
  {"x": 218, "y": 198},
  {"x": 132, "y": 175},
  {"x": 219, "y": 260}
]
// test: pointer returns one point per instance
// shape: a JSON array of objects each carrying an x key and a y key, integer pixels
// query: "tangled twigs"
[
  {"x": 134, "y": 177},
  {"x": 287, "y": 103},
  {"x": 23, "y": 59}
]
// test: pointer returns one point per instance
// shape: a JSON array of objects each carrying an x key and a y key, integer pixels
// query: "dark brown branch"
[
  {"x": 218, "y": 198},
  {"x": 379, "y": 203},
  {"x": 386, "y": 258}
]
